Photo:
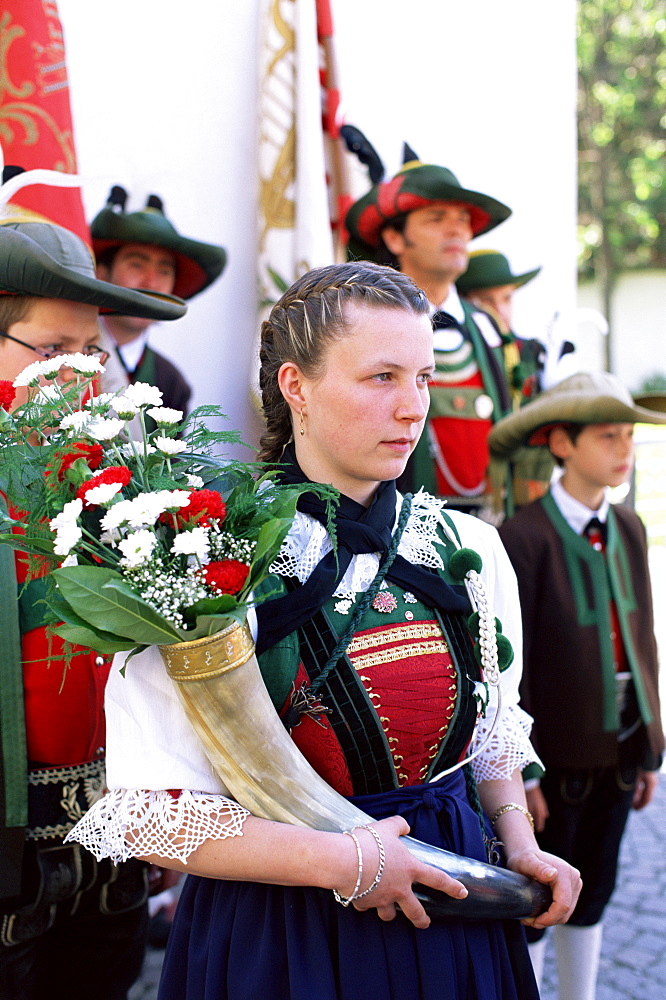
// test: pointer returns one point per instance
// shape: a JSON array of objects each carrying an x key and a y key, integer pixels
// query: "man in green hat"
[
  {"x": 67, "y": 924},
  {"x": 144, "y": 250},
  {"x": 589, "y": 658},
  {"x": 423, "y": 220}
]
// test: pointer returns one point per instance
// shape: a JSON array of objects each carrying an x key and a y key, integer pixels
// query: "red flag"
[{"x": 35, "y": 115}]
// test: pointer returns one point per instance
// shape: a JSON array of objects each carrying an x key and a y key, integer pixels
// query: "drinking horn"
[{"x": 220, "y": 685}]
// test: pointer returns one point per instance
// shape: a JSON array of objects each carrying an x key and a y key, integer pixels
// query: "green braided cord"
[
  {"x": 368, "y": 597},
  {"x": 473, "y": 796}
]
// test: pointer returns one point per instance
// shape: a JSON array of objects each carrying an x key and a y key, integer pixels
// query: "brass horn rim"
[{"x": 239, "y": 647}]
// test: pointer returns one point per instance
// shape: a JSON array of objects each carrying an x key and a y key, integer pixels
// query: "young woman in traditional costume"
[{"x": 366, "y": 652}]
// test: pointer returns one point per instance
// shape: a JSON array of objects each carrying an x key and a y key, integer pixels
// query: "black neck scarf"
[
  {"x": 359, "y": 529},
  {"x": 445, "y": 321}
]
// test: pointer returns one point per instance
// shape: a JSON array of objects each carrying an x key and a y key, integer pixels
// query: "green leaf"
[
  {"x": 210, "y": 624},
  {"x": 102, "y": 599},
  {"x": 28, "y": 543},
  {"x": 221, "y": 605},
  {"x": 81, "y": 636},
  {"x": 73, "y": 628},
  {"x": 271, "y": 536}
]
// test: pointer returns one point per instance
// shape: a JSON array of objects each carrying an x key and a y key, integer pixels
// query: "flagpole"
[{"x": 340, "y": 183}]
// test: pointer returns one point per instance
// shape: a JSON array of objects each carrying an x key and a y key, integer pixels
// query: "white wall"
[
  {"x": 164, "y": 97},
  {"x": 639, "y": 326}
]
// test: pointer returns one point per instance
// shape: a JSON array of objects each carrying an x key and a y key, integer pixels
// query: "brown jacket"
[{"x": 568, "y": 684}]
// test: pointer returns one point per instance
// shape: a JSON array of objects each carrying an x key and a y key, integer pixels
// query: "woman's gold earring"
[{"x": 302, "y": 425}]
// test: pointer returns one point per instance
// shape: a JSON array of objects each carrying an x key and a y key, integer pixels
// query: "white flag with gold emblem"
[{"x": 294, "y": 217}]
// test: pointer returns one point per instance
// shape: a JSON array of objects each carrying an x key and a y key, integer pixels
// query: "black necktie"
[{"x": 595, "y": 531}]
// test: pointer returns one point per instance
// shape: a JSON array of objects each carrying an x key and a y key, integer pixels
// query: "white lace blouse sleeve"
[
  {"x": 161, "y": 785},
  {"x": 509, "y": 746}
]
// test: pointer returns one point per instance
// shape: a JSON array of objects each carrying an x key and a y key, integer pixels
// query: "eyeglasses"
[{"x": 90, "y": 350}]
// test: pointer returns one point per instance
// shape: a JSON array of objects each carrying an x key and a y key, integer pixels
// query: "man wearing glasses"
[{"x": 67, "y": 924}]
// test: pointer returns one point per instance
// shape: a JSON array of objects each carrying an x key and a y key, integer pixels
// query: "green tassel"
[{"x": 462, "y": 561}]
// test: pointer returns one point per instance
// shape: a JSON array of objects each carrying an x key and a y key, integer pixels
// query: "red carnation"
[
  {"x": 114, "y": 474},
  {"x": 7, "y": 394},
  {"x": 226, "y": 576},
  {"x": 92, "y": 453},
  {"x": 203, "y": 507}
]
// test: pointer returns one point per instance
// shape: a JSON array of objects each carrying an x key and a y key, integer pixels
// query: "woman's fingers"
[
  {"x": 401, "y": 871},
  {"x": 564, "y": 880}
]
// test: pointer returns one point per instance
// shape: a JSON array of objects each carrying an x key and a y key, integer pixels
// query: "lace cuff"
[
  {"x": 157, "y": 823},
  {"x": 509, "y": 746}
]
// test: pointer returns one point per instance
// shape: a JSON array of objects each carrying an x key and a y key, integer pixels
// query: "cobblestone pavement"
[
  {"x": 633, "y": 960},
  {"x": 633, "y": 956}
]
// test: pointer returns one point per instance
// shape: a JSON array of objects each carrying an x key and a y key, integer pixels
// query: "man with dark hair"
[
  {"x": 423, "y": 220},
  {"x": 144, "y": 250}
]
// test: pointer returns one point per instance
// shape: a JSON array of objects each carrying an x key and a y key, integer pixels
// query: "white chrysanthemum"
[
  {"x": 137, "y": 548},
  {"x": 146, "y": 508},
  {"x": 67, "y": 537},
  {"x": 76, "y": 421},
  {"x": 68, "y": 515},
  {"x": 69, "y": 561},
  {"x": 117, "y": 515},
  {"x": 48, "y": 394},
  {"x": 130, "y": 450},
  {"x": 85, "y": 364},
  {"x": 174, "y": 499},
  {"x": 110, "y": 537},
  {"x": 52, "y": 366},
  {"x": 104, "y": 428},
  {"x": 142, "y": 394},
  {"x": 29, "y": 376},
  {"x": 101, "y": 399},
  {"x": 165, "y": 415},
  {"x": 195, "y": 482},
  {"x": 169, "y": 446},
  {"x": 192, "y": 543},
  {"x": 125, "y": 407},
  {"x": 100, "y": 496}
]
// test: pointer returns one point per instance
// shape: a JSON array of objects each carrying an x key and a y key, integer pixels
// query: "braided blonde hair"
[{"x": 310, "y": 316}]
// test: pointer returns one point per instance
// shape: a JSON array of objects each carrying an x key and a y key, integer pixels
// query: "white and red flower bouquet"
[{"x": 153, "y": 540}]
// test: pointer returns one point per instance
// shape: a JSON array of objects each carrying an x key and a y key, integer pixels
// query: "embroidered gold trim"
[
  {"x": 436, "y": 646},
  {"x": 69, "y": 772},
  {"x": 418, "y": 630}
]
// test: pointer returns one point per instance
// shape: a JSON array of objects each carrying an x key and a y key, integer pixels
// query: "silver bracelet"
[
  {"x": 346, "y": 900},
  {"x": 382, "y": 860}
]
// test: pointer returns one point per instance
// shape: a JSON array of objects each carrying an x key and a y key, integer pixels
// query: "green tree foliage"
[{"x": 621, "y": 137}]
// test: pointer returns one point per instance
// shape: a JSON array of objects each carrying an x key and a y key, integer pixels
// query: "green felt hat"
[
  {"x": 415, "y": 186},
  {"x": 197, "y": 264},
  {"x": 584, "y": 398},
  {"x": 490, "y": 269},
  {"x": 42, "y": 259}
]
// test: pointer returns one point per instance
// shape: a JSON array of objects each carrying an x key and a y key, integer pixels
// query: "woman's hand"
[
  {"x": 564, "y": 881},
  {"x": 401, "y": 871}
]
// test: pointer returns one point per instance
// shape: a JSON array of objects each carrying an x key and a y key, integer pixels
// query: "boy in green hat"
[
  {"x": 590, "y": 658},
  {"x": 489, "y": 284},
  {"x": 67, "y": 924},
  {"x": 144, "y": 250},
  {"x": 423, "y": 220}
]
